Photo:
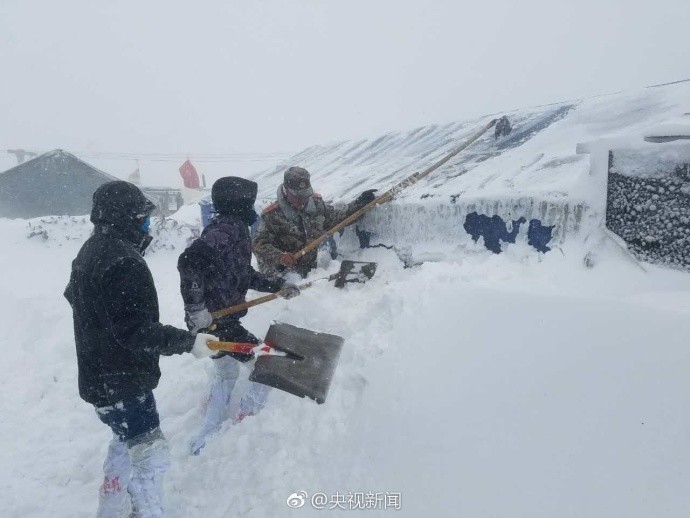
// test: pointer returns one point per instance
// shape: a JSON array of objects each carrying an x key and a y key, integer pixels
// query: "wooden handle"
[
  {"x": 392, "y": 192},
  {"x": 245, "y": 305},
  {"x": 255, "y": 302}
]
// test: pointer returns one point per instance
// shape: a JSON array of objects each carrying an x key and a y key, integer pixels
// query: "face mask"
[
  {"x": 298, "y": 202},
  {"x": 146, "y": 226}
]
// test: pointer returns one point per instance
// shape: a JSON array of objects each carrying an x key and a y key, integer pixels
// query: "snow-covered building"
[
  {"x": 55, "y": 183},
  {"x": 167, "y": 199},
  {"x": 52, "y": 184},
  {"x": 542, "y": 183}
]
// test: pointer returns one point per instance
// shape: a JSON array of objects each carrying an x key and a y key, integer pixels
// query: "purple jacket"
[{"x": 216, "y": 269}]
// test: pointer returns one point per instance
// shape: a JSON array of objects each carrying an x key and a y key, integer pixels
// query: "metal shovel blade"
[
  {"x": 354, "y": 271},
  {"x": 308, "y": 368}
]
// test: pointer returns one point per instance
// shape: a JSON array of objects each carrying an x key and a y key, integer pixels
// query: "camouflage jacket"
[{"x": 286, "y": 229}]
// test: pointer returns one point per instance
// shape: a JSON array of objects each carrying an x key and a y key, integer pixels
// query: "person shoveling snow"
[
  {"x": 216, "y": 272},
  {"x": 119, "y": 340}
]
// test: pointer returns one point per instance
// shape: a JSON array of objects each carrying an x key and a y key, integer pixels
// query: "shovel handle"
[
  {"x": 231, "y": 347},
  {"x": 244, "y": 305},
  {"x": 266, "y": 298}
]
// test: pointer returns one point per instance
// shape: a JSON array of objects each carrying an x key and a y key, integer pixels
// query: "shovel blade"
[
  {"x": 354, "y": 271},
  {"x": 308, "y": 368}
]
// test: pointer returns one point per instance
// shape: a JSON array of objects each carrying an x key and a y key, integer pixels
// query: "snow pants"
[{"x": 138, "y": 457}]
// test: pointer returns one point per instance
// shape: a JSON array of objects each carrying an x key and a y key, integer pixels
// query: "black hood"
[
  {"x": 121, "y": 207},
  {"x": 234, "y": 196},
  {"x": 228, "y": 191},
  {"x": 120, "y": 204}
]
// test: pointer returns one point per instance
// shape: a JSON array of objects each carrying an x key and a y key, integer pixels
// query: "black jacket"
[{"x": 116, "y": 324}]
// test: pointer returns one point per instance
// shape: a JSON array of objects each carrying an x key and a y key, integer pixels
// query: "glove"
[
  {"x": 287, "y": 260},
  {"x": 197, "y": 317},
  {"x": 366, "y": 197},
  {"x": 200, "y": 348},
  {"x": 241, "y": 357},
  {"x": 289, "y": 290}
]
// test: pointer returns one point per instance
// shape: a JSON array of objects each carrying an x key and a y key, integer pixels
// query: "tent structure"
[{"x": 55, "y": 183}]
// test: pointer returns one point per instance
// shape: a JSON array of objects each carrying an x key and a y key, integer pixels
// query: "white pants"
[
  {"x": 133, "y": 481},
  {"x": 217, "y": 410}
]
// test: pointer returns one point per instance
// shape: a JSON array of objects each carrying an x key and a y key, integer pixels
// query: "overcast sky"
[{"x": 265, "y": 76}]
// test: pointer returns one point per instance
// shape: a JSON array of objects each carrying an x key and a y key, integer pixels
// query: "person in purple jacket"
[{"x": 215, "y": 273}]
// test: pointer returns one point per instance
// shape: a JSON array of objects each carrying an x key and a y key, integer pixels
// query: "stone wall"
[{"x": 648, "y": 206}]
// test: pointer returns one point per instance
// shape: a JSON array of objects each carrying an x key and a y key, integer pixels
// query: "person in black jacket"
[
  {"x": 215, "y": 273},
  {"x": 119, "y": 340}
]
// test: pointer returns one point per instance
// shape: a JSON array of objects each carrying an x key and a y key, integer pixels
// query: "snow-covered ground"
[
  {"x": 512, "y": 385},
  {"x": 517, "y": 384}
]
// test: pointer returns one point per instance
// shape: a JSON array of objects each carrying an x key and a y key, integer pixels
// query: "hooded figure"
[
  {"x": 119, "y": 340},
  {"x": 215, "y": 273}
]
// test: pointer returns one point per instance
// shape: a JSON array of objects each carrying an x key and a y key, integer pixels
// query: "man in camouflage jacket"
[{"x": 297, "y": 217}]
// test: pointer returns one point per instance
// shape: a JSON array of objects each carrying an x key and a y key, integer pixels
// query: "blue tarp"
[{"x": 494, "y": 230}]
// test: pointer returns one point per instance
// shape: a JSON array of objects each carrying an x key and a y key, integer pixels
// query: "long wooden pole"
[
  {"x": 392, "y": 192},
  {"x": 266, "y": 298}
]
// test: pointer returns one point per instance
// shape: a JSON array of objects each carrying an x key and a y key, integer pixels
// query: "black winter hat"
[
  {"x": 230, "y": 192},
  {"x": 120, "y": 203}
]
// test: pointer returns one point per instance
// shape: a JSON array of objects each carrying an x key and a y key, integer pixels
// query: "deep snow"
[{"x": 511, "y": 385}]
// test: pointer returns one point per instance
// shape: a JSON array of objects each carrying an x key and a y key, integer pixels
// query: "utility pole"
[{"x": 21, "y": 154}]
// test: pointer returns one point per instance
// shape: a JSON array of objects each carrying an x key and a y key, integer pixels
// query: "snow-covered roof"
[
  {"x": 54, "y": 183},
  {"x": 538, "y": 159}
]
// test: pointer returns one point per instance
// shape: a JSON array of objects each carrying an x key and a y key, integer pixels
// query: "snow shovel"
[
  {"x": 501, "y": 127},
  {"x": 292, "y": 359},
  {"x": 350, "y": 271}
]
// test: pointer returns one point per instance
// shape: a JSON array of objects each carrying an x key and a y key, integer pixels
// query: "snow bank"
[{"x": 57, "y": 231}]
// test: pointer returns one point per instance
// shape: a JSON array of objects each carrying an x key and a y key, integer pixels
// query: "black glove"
[
  {"x": 242, "y": 357},
  {"x": 366, "y": 197}
]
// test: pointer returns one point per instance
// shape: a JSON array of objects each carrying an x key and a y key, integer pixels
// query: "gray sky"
[{"x": 265, "y": 76}]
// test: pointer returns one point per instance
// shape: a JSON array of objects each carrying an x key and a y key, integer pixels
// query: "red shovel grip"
[{"x": 231, "y": 347}]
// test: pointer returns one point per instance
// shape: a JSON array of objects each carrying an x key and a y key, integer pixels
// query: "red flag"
[{"x": 189, "y": 175}]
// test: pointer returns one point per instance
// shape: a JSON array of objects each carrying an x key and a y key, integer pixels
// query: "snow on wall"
[
  {"x": 417, "y": 227},
  {"x": 536, "y": 172}
]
